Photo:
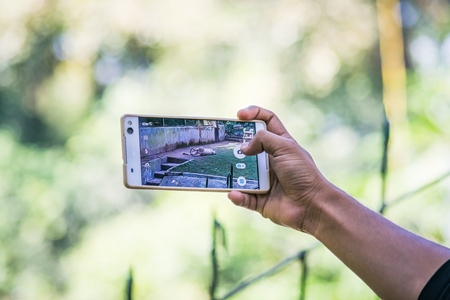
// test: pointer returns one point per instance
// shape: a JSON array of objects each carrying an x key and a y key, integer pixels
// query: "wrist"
[
  {"x": 339, "y": 214},
  {"x": 315, "y": 208}
]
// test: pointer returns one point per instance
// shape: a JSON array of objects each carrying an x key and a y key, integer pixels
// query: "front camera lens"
[{"x": 130, "y": 130}]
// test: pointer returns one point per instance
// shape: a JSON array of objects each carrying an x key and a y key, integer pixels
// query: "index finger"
[{"x": 258, "y": 113}]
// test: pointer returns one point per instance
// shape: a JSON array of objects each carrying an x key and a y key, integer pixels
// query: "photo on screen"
[{"x": 196, "y": 153}]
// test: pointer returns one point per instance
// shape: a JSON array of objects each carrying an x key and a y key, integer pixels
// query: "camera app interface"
[{"x": 197, "y": 153}]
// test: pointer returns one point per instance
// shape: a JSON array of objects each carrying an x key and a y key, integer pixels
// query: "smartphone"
[{"x": 187, "y": 153}]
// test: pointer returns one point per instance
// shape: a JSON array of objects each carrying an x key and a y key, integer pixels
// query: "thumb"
[{"x": 248, "y": 201}]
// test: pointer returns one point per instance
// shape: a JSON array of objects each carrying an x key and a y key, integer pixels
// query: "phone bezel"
[{"x": 132, "y": 157}]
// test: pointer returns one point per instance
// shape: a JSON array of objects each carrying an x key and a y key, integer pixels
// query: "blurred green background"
[{"x": 69, "y": 69}]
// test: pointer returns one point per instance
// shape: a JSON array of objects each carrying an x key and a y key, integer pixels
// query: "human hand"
[
  {"x": 395, "y": 263},
  {"x": 296, "y": 185}
]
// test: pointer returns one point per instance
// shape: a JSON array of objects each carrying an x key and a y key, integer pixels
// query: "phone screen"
[{"x": 196, "y": 153}]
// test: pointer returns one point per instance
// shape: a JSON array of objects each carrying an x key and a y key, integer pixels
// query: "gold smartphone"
[{"x": 191, "y": 153}]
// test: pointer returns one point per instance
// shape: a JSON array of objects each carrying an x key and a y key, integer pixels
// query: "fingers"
[
  {"x": 258, "y": 113},
  {"x": 266, "y": 141}
]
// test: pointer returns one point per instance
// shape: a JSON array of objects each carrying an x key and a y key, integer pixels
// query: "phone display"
[{"x": 164, "y": 152}]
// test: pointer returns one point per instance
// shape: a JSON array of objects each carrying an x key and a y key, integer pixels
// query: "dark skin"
[
  {"x": 288, "y": 185},
  {"x": 394, "y": 263}
]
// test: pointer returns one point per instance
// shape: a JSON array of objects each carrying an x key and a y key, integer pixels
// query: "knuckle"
[{"x": 262, "y": 134}]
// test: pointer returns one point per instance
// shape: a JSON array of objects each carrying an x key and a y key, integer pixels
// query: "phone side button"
[
  {"x": 267, "y": 161},
  {"x": 124, "y": 152}
]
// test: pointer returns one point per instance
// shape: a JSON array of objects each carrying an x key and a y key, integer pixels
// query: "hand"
[
  {"x": 296, "y": 185},
  {"x": 395, "y": 263}
]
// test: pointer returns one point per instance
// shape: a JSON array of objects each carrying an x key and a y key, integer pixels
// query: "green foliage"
[{"x": 68, "y": 70}]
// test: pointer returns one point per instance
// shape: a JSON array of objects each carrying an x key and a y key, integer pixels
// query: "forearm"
[{"x": 395, "y": 263}]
